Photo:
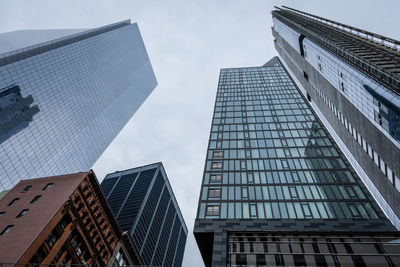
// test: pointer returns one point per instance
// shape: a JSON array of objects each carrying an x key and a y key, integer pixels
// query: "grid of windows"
[
  {"x": 56, "y": 133},
  {"x": 143, "y": 203},
  {"x": 269, "y": 157},
  {"x": 374, "y": 100},
  {"x": 375, "y": 157},
  {"x": 325, "y": 249}
]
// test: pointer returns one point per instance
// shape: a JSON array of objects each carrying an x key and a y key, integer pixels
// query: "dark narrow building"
[
  {"x": 352, "y": 79},
  {"x": 276, "y": 188},
  {"x": 145, "y": 206}
]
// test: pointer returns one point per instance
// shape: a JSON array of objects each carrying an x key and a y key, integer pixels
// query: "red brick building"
[{"x": 57, "y": 220}]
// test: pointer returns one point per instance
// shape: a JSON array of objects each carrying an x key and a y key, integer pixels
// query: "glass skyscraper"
[
  {"x": 144, "y": 205},
  {"x": 352, "y": 78},
  {"x": 276, "y": 188},
  {"x": 63, "y": 101}
]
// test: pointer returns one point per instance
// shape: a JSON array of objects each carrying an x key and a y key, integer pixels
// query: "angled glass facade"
[
  {"x": 352, "y": 77},
  {"x": 63, "y": 101},
  {"x": 269, "y": 156},
  {"x": 272, "y": 166},
  {"x": 144, "y": 205}
]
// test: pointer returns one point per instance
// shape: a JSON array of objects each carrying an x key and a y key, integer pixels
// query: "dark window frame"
[
  {"x": 48, "y": 186},
  {"x": 15, "y": 200},
  {"x": 36, "y": 198},
  {"x": 7, "y": 229},
  {"x": 26, "y": 189},
  {"x": 22, "y": 213},
  {"x": 214, "y": 210},
  {"x": 212, "y": 192},
  {"x": 215, "y": 178}
]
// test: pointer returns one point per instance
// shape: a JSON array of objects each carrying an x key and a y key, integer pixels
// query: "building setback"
[
  {"x": 276, "y": 188},
  {"x": 144, "y": 205},
  {"x": 54, "y": 92},
  {"x": 352, "y": 79},
  {"x": 61, "y": 220}
]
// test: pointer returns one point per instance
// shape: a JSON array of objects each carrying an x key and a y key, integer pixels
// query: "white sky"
[{"x": 188, "y": 42}]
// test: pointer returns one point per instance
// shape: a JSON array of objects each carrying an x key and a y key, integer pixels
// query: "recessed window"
[
  {"x": 2, "y": 213},
  {"x": 35, "y": 199},
  {"x": 120, "y": 258},
  {"x": 216, "y": 178},
  {"x": 13, "y": 201},
  {"x": 218, "y": 154},
  {"x": 22, "y": 213},
  {"x": 26, "y": 189},
  {"x": 214, "y": 193},
  {"x": 51, "y": 239},
  {"x": 7, "y": 230},
  {"x": 48, "y": 186},
  {"x": 305, "y": 75},
  {"x": 212, "y": 210},
  {"x": 216, "y": 165}
]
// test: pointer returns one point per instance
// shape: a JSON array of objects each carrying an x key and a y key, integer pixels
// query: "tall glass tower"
[
  {"x": 144, "y": 205},
  {"x": 276, "y": 188},
  {"x": 352, "y": 78},
  {"x": 63, "y": 101}
]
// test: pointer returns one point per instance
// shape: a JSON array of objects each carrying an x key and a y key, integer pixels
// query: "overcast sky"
[{"x": 188, "y": 42}]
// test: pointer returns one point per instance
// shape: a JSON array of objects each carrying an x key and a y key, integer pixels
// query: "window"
[
  {"x": 39, "y": 256},
  {"x": 378, "y": 118},
  {"x": 58, "y": 255},
  {"x": 120, "y": 259},
  {"x": 299, "y": 260},
  {"x": 2, "y": 213},
  {"x": 47, "y": 186},
  {"x": 35, "y": 199},
  {"x": 26, "y": 189},
  {"x": 396, "y": 182},
  {"x": 216, "y": 178},
  {"x": 7, "y": 229},
  {"x": 214, "y": 193},
  {"x": 78, "y": 252},
  {"x": 22, "y": 213},
  {"x": 253, "y": 212},
  {"x": 74, "y": 243},
  {"x": 216, "y": 165},
  {"x": 342, "y": 86},
  {"x": 212, "y": 210},
  {"x": 305, "y": 76},
  {"x": 13, "y": 201},
  {"x": 51, "y": 239},
  {"x": 218, "y": 154}
]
